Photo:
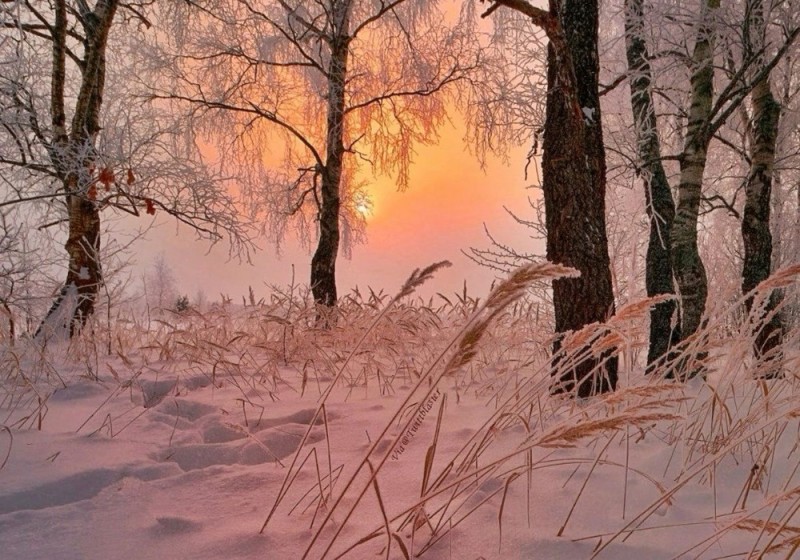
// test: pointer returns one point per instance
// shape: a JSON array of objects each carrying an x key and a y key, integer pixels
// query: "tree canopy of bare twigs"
[
  {"x": 76, "y": 141},
  {"x": 303, "y": 95}
]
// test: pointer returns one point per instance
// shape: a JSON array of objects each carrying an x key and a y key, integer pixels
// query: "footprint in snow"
[
  {"x": 168, "y": 525},
  {"x": 186, "y": 409},
  {"x": 153, "y": 392},
  {"x": 304, "y": 416}
]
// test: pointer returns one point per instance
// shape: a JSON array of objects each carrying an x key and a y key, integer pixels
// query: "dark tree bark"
[
  {"x": 574, "y": 185},
  {"x": 323, "y": 263},
  {"x": 756, "y": 218},
  {"x": 658, "y": 198}
]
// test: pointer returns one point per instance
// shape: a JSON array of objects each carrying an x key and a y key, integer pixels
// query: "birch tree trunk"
[
  {"x": 658, "y": 198},
  {"x": 323, "y": 263},
  {"x": 756, "y": 218},
  {"x": 574, "y": 185},
  {"x": 73, "y": 156},
  {"x": 690, "y": 273}
]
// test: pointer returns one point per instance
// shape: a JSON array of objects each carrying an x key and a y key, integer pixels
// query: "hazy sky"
[{"x": 449, "y": 199}]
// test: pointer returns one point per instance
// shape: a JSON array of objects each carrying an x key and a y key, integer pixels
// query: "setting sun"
[
  {"x": 364, "y": 204},
  {"x": 364, "y": 208}
]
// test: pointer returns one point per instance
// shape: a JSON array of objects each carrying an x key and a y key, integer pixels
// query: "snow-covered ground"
[{"x": 191, "y": 437}]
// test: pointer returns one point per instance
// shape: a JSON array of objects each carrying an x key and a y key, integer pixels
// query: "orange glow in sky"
[{"x": 442, "y": 213}]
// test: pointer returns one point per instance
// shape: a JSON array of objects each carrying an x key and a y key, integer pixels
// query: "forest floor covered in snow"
[{"x": 408, "y": 429}]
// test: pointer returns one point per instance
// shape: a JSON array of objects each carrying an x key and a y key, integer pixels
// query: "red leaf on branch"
[
  {"x": 151, "y": 208},
  {"x": 131, "y": 178},
  {"x": 91, "y": 192},
  {"x": 106, "y": 177}
]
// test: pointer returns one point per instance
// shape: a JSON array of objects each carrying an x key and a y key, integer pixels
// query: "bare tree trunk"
[
  {"x": 323, "y": 263},
  {"x": 83, "y": 248},
  {"x": 690, "y": 273},
  {"x": 660, "y": 206},
  {"x": 756, "y": 219},
  {"x": 73, "y": 156},
  {"x": 574, "y": 184}
]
